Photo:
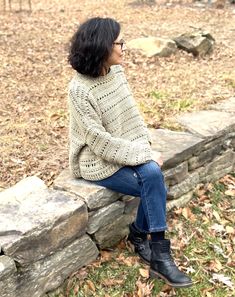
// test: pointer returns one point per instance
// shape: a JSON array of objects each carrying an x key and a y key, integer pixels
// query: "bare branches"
[{"x": 7, "y": 5}]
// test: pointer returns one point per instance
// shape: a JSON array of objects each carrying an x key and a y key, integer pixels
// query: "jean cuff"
[{"x": 158, "y": 229}]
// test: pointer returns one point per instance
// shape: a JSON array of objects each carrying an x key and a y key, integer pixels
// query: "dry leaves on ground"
[{"x": 34, "y": 74}]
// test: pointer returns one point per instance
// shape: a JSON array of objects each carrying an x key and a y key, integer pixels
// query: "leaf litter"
[
  {"x": 197, "y": 248},
  {"x": 34, "y": 74},
  {"x": 34, "y": 123}
]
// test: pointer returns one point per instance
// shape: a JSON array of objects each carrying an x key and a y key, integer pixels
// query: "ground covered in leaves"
[
  {"x": 34, "y": 123},
  {"x": 202, "y": 236},
  {"x": 34, "y": 73}
]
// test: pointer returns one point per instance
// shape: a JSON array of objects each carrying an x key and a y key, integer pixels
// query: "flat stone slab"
[
  {"x": 177, "y": 174},
  {"x": 131, "y": 204},
  {"x": 184, "y": 187},
  {"x": 183, "y": 200},
  {"x": 175, "y": 146},
  {"x": 104, "y": 216},
  {"x": 94, "y": 196},
  {"x": 112, "y": 233},
  {"x": 47, "y": 274},
  {"x": 219, "y": 167},
  {"x": 35, "y": 223},
  {"x": 7, "y": 267},
  {"x": 208, "y": 123},
  {"x": 153, "y": 46},
  {"x": 205, "y": 157},
  {"x": 225, "y": 105}
]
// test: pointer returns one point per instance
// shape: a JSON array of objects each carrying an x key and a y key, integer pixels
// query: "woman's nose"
[{"x": 124, "y": 47}]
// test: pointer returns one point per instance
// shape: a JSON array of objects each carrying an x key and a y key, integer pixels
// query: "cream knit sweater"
[{"x": 106, "y": 131}]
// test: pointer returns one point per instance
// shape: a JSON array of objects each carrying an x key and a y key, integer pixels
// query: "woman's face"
[{"x": 117, "y": 54}]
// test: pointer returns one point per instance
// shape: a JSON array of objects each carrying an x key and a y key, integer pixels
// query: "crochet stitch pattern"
[{"x": 106, "y": 130}]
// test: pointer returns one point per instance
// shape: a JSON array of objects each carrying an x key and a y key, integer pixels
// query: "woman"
[{"x": 110, "y": 144}]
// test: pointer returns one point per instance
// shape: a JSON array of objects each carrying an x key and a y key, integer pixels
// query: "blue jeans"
[{"x": 147, "y": 182}]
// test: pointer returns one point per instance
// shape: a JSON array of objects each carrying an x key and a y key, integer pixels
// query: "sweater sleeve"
[{"x": 102, "y": 143}]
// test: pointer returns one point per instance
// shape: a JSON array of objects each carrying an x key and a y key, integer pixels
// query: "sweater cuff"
[{"x": 145, "y": 155}]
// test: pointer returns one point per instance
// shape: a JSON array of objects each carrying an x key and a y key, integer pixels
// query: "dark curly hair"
[{"x": 92, "y": 44}]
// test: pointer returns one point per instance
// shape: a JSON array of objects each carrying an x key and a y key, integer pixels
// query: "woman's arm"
[{"x": 102, "y": 143}]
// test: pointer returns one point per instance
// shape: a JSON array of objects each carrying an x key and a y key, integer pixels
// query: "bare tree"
[
  {"x": 149, "y": 1},
  {"x": 20, "y": 5}
]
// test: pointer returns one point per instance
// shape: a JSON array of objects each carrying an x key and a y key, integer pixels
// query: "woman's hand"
[{"x": 157, "y": 157}]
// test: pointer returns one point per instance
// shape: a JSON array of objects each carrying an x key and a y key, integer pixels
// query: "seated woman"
[{"x": 110, "y": 144}]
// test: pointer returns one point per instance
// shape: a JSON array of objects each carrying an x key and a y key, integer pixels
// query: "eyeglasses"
[{"x": 121, "y": 43}]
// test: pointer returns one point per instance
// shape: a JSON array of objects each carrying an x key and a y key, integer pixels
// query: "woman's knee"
[{"x": 151, "y": 171}]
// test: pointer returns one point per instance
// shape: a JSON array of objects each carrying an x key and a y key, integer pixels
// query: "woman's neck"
[{"x": 105, "y": 70}]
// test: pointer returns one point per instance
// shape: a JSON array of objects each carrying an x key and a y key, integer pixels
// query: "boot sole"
[
  {"x": 132, "y": 247},
  {"x": 157, "y": 275}
]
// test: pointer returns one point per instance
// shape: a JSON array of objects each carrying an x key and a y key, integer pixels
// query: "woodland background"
[{"x": 34, "y": 73}]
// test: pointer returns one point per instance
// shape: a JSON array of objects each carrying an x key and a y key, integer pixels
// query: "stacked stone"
[
  {"x": 109, "y": 212},
  {"x": 203, "y": 154},
  {"x": 42, "y": 237},
  {"x": 46, "y": 235}
]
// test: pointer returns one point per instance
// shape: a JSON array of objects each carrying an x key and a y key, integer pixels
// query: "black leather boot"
[
  {"x": 141, "y": 244},
  {"x": 162, "y": 266}
]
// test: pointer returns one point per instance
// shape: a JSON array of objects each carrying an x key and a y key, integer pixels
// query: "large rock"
[
  {"x": 208, "y": 123},
  {"x": 204, "y": 157},
  {"x": 153, "y": 46},
  {"x": 175, "y": 147},
  {"x": 225, "y": 105},
  {"x": 198, "y": 43},
  {"x": 93, "y": 195},
  {"x": 34, "y": 224},
  {"x": 7, "y": 267},
  {"x": 23, "y": 188},
  {"x": 112, "y": 233},
  {"x": 184, "y": 187},
  {"x": 104, "y": 216},
  {"x": 183, "y": 200},
  {"x": 219, "y": 167},
  {"x": 177, "y": 174},
  {"x": 47, "y": 274},
  {"x": 230, "y": 142},
  {"x": 131, "y": 204}
]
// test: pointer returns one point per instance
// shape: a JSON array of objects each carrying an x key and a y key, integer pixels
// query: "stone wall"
[{"x": 47, "y": 234}]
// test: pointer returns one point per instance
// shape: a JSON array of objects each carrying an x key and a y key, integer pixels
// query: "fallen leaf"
[
  {"x": 129, "y": 261},
  {"x": 90, "y": 285},
  {"x": 187, "y": 213},
  {"x": 203, "y": 198},
  {"x": 218, "y": 250},
  {"x": 216, "y": 215},
  {"x": 144, "y": 272},
  {"x": 229, "y": 229},
  {"x": 76, "y": 289},
  {"x": 215, "y": 265},
  {"x": 144, "y": 289},
  {"x": 178, "y": 211},
  {"x": 190, "y": 270},
  {"x": 81, "y": 274},
  {"x": 218, "y": 228},
  {"x": 231, "y": 264},
  {"x": 206, "y": 292},
  {"x": 223, "y": 279},
  {"x": 230, "y": 192},
  {"x": 55, "y": 116},
  {"x": 122, "y": 245},
  {"x": 112, "y": 282},
  {"x": 106, "y": 256}
]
